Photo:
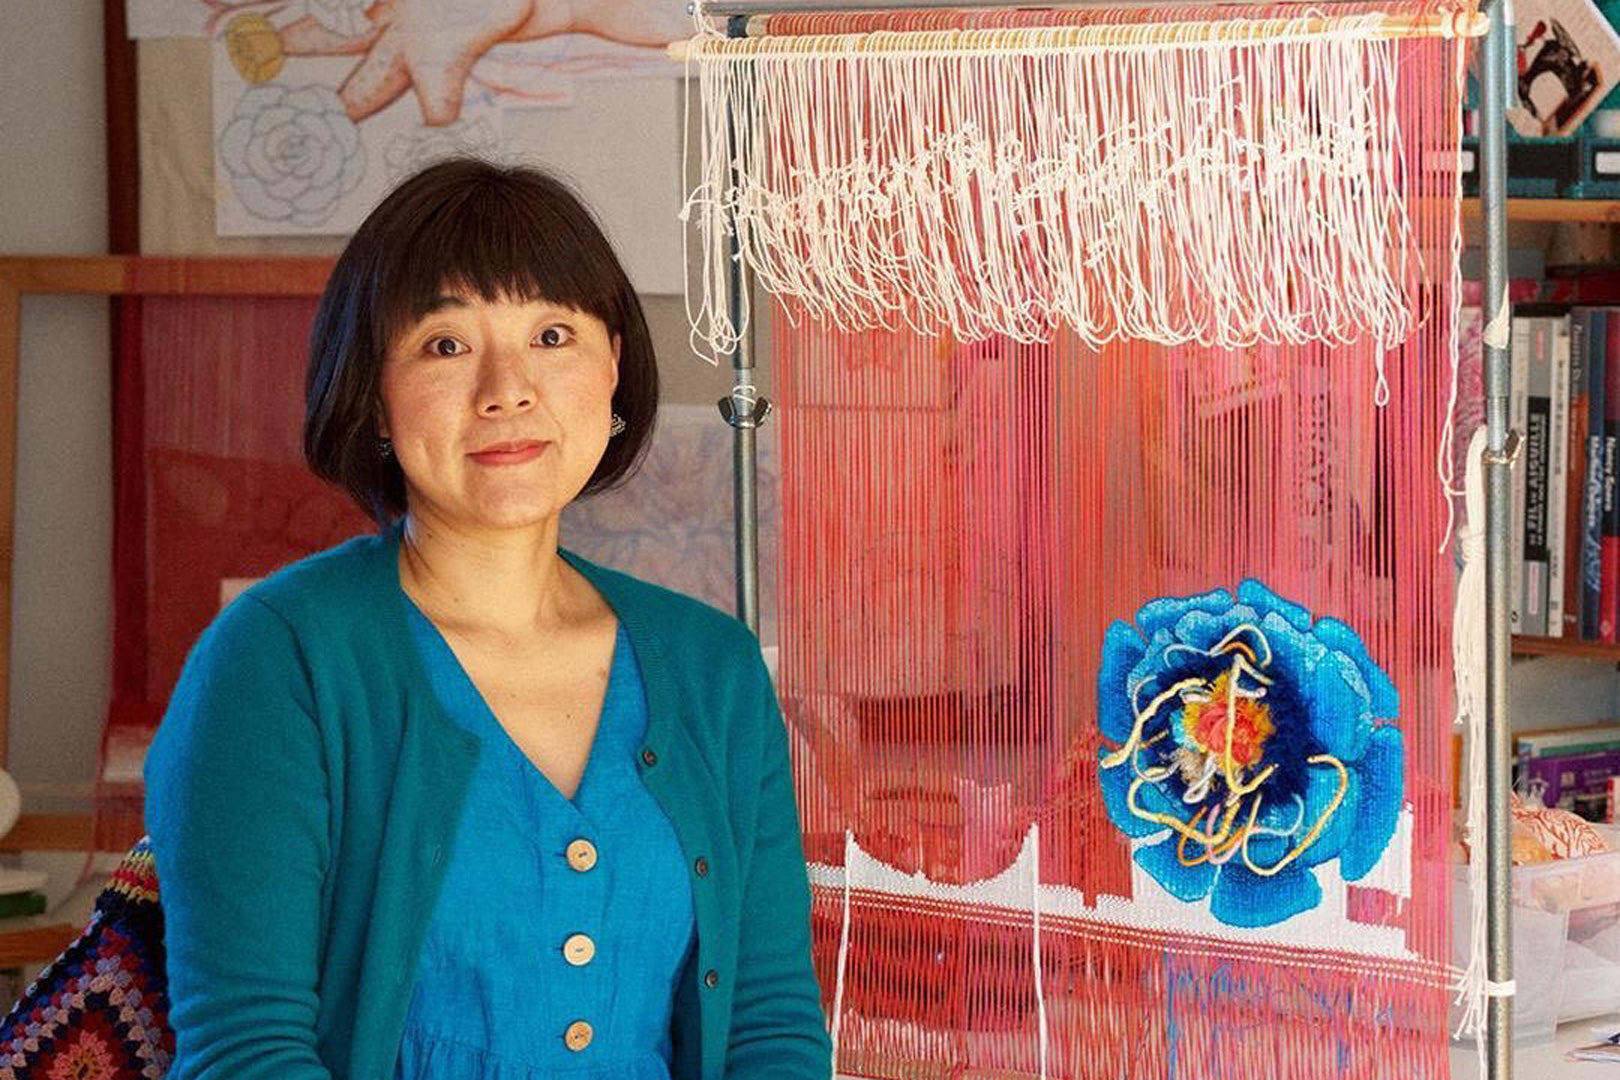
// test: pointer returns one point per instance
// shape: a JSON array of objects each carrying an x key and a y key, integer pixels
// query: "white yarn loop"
[
  {"x": 850, "y": 850},
  {"x": 1473, "y": 986},
  {"x": 1035, "y": 922}
]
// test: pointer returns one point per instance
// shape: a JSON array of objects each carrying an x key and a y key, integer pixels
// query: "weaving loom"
[{"x": 1115, "y": 353}]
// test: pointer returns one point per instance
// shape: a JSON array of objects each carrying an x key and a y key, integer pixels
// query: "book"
[
  {"x": 1519, "y": 373},
  {"x": 1545, "y": 740},
  {"x": 17, "y": 905},
  {"x": 1568, "y": 61},
  {"x": 1578, "y": 782},
  {"x": 1592, "y": 497},
  {"x": 1557, "y": 474},
  {"x": 1575, "y": 472},
  {"x": 1537, "y": 447},
  {"x": 1609, "y": 610}
]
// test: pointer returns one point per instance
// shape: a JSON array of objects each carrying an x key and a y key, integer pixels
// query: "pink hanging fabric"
[
  {"x": 212, "y": 493},
  {"x": 989, "y": 546}
]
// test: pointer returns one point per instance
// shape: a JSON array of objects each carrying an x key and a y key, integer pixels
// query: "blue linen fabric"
[
  {"x": 305, "y": 788},
  {"x": 495, "y": 995}
]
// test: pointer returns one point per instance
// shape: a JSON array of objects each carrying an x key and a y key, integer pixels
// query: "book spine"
[
  {"x": 1557, "y": 476},
  {"x": 1537, "y": 433},
  {"x": 1592, "y": 499},
  {"x": 1610, "y": 611},
  {"x": 1517, "y": 399},
  {"x": 1575, "y": 472}
]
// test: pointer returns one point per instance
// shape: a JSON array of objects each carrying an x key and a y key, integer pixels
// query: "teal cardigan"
[{"x": 305, "y": 786}]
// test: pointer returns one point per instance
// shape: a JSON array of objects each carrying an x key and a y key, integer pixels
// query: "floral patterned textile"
[
  {"x": 100, "y": 1011},
  {"x": 1253, "y": 744}
]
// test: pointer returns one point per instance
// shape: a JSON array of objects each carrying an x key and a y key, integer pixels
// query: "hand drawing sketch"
[
  {"x": 435, "y": 48},
  {"x": 432, "y": 46}
]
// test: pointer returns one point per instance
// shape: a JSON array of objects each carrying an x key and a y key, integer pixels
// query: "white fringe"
[
  {"x": 1198, "y": 191},
  {"x": 1468, "y": 660},
  {"x": 843, "y": 947},
  {"x": 1035, "y": 919}
]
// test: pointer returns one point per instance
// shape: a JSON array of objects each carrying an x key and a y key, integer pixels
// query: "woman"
[{"x": 449, "y": 802}]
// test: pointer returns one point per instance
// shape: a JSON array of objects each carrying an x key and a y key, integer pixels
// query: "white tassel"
[
  {"x": 1035, "y": 918},
  {"x": 850, "y": 851},
  {"x": 1468, "y": 661}
]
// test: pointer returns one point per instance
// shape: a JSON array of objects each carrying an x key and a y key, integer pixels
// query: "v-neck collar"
[
  {"x": 493, "y": 732},
  {"x": 667, "y": 730}
]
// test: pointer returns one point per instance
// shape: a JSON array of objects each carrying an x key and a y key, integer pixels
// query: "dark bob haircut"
[{"x": 461, "y": 225}]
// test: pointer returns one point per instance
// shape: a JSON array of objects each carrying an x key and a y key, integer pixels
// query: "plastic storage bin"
[
  {"x": 1566, "y": 941},
  {"x": 1586, "y": 892},
  {"x": 1538, "y": 952}
]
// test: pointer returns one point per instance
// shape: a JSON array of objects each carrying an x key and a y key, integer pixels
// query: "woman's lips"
[{"x": 512, "y": 453}]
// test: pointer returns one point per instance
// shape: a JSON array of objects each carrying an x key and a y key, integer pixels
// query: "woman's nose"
[{"x": 507, "y": 385}]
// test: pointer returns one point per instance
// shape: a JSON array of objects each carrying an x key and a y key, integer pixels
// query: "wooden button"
[
  {"x": 701, "y": 866},
  {"x": 579, "y": 950},
  {"x": 581, "y": 855},
  {"x": 711, "y": 978},
  {"x": 578, "y": 1036}
]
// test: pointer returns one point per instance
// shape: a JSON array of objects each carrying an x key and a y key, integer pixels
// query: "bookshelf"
[{"x": 1588, "y": 211}]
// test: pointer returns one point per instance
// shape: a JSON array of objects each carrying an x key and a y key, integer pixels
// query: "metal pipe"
[
  {"x": 744, "y": 410},
  {"x": 1496, "y": 84}
]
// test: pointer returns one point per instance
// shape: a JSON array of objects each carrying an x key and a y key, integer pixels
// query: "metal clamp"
[
  {"x": 1509, "y": 454},
  {"x": 745, "y": 409}
]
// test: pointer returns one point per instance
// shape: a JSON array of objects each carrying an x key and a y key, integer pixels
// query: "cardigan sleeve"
[
  {"x": 237, "y": 808},
  {"x": 778, "y": 1031}
]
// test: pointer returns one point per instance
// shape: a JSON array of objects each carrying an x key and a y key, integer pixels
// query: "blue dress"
[{"x": 564, "y": 925}]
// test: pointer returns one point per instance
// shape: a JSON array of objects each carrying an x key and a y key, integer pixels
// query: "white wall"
[{"x": 53, "y": 178}]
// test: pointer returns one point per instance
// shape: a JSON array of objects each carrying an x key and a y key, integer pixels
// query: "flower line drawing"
[
  {"x": 291, "y": 154},
  {"x": 1254, "y": 743},
  {"x": 408, "y": 153}
]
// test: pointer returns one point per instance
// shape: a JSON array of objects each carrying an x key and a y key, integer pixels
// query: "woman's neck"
[{"x": 508, "y": 582}]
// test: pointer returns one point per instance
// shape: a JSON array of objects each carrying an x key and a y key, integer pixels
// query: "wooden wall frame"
[{"x": 111, "y": 276}]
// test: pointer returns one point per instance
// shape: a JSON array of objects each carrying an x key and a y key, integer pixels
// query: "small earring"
[
  {"x": 616, "y": 426},
  {"x": 385, "y": 448}
]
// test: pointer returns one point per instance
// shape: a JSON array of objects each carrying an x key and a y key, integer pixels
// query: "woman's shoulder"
[
  {"x": 330, "y": 595},
  {"x": 354, "y": 572}
]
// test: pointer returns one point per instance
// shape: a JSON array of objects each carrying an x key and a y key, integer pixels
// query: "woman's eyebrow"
[{"x": 440, "y": 303}]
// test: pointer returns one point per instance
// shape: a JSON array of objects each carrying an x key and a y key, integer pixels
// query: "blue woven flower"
[{"x": 1254, "y": 743}]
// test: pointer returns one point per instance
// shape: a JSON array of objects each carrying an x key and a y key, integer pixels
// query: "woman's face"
[{"x": 498, "y": 411}]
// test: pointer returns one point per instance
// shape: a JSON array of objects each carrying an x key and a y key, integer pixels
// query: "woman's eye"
[
  {"x": 446, "y": 346},
  {"x": 553, "y": 336}
]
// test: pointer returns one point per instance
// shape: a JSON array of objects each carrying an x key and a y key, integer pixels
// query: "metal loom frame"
[{"x": 744, "y": 411}]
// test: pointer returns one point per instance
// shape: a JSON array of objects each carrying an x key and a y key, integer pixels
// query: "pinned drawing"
[{"x": 320, "y": 105}]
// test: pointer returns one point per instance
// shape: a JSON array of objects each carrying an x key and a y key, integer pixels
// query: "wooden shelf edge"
[
  {"x": 50, "y": 832},
  {"x": 37, "y": 945},
  {"x": 1591, "y": 650},
  {"x": 158, "y": 275},
  {"x": 1601, "y": 211}
]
